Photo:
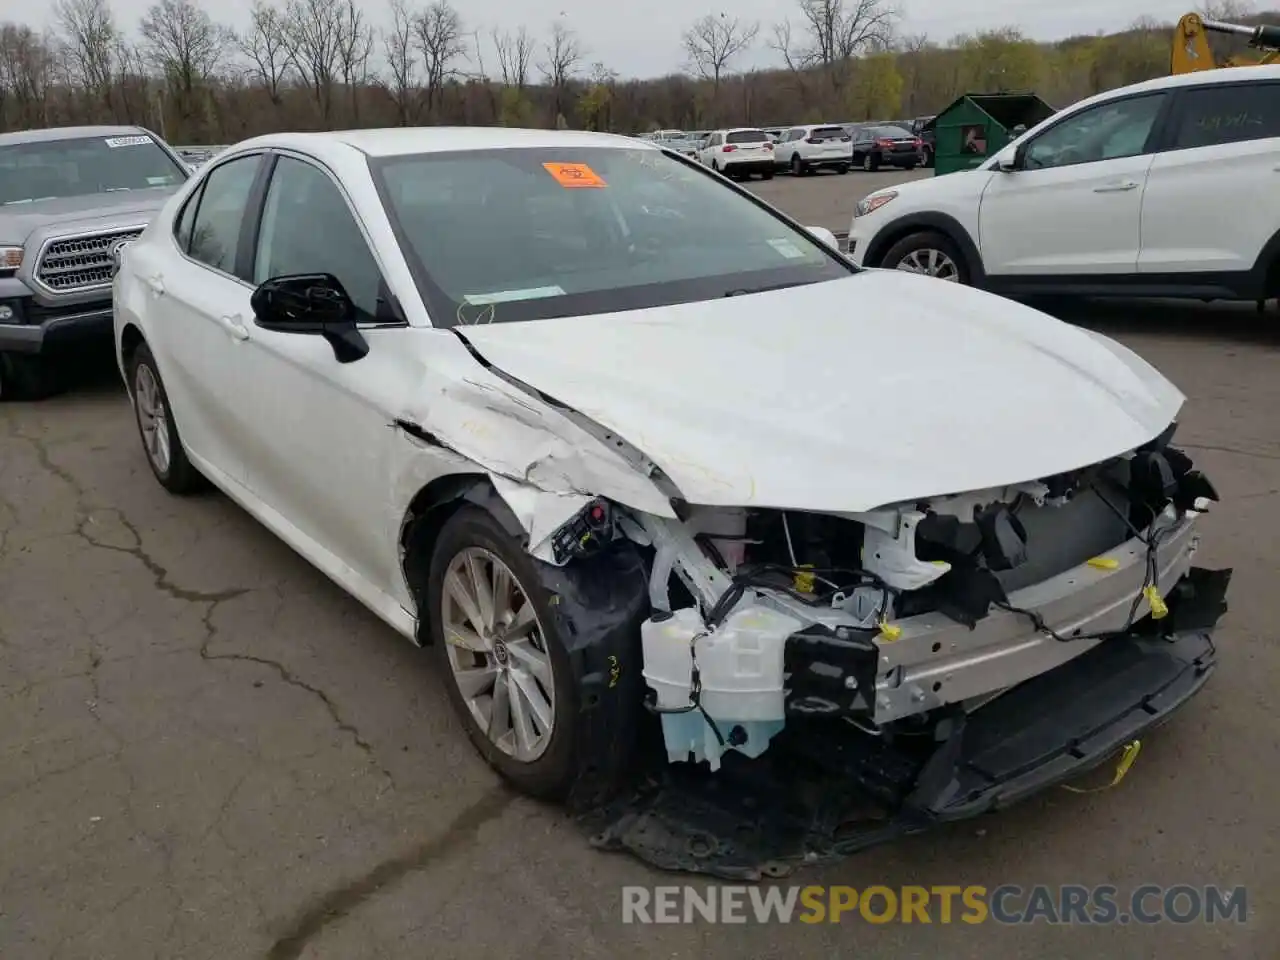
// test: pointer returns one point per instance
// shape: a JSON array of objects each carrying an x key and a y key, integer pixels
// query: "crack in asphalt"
[
  {"x": 339, "y": 903},
  {"x": 162, "y": 581},
  {"x": 1238, "y": 451},
  {"x": 289, "y": 677}
]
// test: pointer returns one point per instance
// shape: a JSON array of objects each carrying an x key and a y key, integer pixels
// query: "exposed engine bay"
[{"x": 868, "y": 643}]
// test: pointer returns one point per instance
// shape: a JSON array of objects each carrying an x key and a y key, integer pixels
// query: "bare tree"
[
  {"x": 441, "y": 42},
  {"x": 402, "y": 63},
  {"x": 266, "y": 46},
  {"x": 838, "y": 30},
  {"x": 355, "y": 46},
  {"x": 714, "y": 40},
  {"x": 312, "y": 32},
  {"x": 91, "y": 41},
  {"x": 515, "y": 54},
  {"x": 181, "y": 40},
  {"x": 563, "y": 55},
  {"x": 1231, "y": 11},
  {"x": 26, "y": 74}
]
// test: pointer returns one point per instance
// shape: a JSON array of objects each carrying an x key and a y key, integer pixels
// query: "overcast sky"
[{"x": 642, "y": 37}]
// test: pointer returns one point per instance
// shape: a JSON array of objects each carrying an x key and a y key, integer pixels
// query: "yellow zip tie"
[
  {"x": 1127, "y": 757},
  {"x": 1104, "y": 563},
  {"x": 1159, "y": 610},
  {"x": 889, "y": 632}
]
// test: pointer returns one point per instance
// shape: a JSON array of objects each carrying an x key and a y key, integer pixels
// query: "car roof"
[
  {"x": 401, "y": 141},
  {"x": 51, "y": 134},
  {"x": 1201, "y": 78}
]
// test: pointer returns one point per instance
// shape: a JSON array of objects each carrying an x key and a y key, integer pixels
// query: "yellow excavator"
[{"x": 1191, "y": 44}]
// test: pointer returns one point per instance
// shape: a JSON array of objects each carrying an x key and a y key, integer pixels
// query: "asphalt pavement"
[{"x": 207, "y": 750}]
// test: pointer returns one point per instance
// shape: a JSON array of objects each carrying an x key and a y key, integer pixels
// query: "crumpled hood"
[
  {"x": 19, "y": 220},
  {"x": 844, "y": 396}
]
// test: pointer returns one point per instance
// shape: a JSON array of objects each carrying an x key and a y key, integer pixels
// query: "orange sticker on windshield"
[{"x": 574, "y": 175}]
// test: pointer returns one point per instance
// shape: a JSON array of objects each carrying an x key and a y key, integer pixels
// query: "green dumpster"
[{"x": 978, "y": 124}]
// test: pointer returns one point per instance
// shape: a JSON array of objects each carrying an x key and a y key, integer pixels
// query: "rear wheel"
[
  {"x": 506, "y": 669},
  {"x": 842, "y": 168},
  {"x": 24, "y": 377},
  {"x": 797, "y": 166},
  {"x": 156, "y": 427},
  {"x": 766, "y": 174},
  {"x": 870, "y": 163},
  {"x": 929, "y": 253},
  {"x": 928, "y": 157}
]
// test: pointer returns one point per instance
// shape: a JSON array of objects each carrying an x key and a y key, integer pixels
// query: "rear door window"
[{"x": 1227, "y": 113}]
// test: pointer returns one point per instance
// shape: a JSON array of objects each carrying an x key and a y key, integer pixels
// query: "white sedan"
[{"x": 618, "y": 440}]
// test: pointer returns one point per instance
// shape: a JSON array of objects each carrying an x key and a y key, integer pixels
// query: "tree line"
[{"x": 325, "y": 64}]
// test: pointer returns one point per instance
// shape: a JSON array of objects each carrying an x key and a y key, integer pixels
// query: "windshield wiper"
[{"x": 741, "y": 291}]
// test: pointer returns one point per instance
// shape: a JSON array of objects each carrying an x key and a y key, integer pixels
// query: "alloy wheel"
[
  {"x": 498, "y": 653},
  {"x": 153, "y": 418},
  {"x": 931, "y": 262}
]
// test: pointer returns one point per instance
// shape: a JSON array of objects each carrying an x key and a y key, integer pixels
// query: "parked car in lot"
[
  {"x": 923, "y": 128},
  {"x": 738, "y": 152},
  {"x": 805, "y": 149},
  {"x": 526, "y": 395},
  {"x": 880, "y": 145},
  {"x": 71, "y": 198},
  {"x": 1162, "y": 188}
]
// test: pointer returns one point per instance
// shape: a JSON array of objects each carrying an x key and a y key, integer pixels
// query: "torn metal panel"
[
  {"x": 477, "y": 418},
  {"x": 540, "y": 512}
]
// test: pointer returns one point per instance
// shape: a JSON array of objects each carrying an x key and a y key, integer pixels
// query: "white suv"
[
  {"x": 805, "y": 149},
  {"x": 738, "y": 152},
  {"x": 1167, "y": 188}
]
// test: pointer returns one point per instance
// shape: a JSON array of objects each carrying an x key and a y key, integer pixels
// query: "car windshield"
[
  {"x": 527, "y": 234},
  {"x": 49, "y": 169}
]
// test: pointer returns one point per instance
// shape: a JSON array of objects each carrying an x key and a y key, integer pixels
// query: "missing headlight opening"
[{"x": 929, "y": 657}]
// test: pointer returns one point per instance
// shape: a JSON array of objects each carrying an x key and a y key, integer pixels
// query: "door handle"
[
  {"x": 1120, "y": 187},
  {"x": 235, "y": 327},
  {"x": 156, "y": 283}
]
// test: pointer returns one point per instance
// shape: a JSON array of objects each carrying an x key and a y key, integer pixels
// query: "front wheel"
[
  {"x": 929, "y": 253},
  {"x": 156, "y": 427},
  {"x": 797, "y": 166},
  {"x": 506, "y": 668}
]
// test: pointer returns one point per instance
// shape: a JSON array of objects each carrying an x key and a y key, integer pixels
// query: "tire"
[
  {"x": 911, "y": 166},
  {"x": 766, "y": 175},
  {"x": 715, "y": 166},
  {"x": 928, "y": 157},
  {"x": 25, "y": 377},
  {"x": 927, "y": 240},
  {"x": 174, "y": 471},
  {"x": 552, "y": 773},
  {"x": 872, "y": 163},
  {"x": 797, "y": 166},
  {"x": 842, "y": 168}
]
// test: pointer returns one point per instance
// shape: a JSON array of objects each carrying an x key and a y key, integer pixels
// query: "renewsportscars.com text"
[{"x": 1007, "y": 904}]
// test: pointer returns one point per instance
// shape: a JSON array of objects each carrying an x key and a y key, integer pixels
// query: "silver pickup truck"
[{"x": 70, "y": 199}]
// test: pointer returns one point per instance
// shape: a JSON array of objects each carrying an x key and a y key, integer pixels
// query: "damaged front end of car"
[
  {"x": 818, "y": 682},
  {"x": 920, "y": 663}
]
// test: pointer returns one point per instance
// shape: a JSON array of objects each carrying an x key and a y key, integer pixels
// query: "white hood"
[{"x": 844, "y": 396}]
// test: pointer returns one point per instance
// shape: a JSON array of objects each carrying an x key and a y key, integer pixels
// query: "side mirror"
[
  {"x": 826, "y": 236},
  {"x": 311, "y": 303},
  {"x": 1009, "y": 159}
]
